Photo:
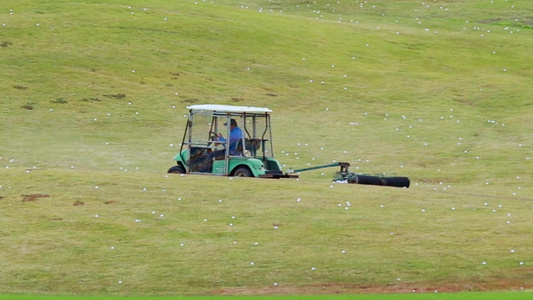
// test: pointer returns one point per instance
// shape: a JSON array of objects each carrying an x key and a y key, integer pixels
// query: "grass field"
[
  {"x": 92, "y": 106},
  {"x": 425, "y": 296}
]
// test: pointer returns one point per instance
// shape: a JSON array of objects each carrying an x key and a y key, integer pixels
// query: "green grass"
[
  {"x": 440, "y": 296},
  {"x": 92, "y": 111}
]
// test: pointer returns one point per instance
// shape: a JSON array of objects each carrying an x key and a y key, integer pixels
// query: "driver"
[{"x": 235, "y": 136}]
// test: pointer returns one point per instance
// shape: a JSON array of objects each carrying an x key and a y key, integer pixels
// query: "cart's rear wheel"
[
  {"x": 243, "y": 172},
  {"x": 177, "y": 170}
]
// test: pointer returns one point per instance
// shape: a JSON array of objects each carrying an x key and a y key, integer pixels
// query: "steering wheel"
[{"x": 213, "y": 136}]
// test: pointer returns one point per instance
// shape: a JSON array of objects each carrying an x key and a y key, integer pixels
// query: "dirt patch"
[
  {"x": 59, "y": 101},
  {"x": 28, "y": 106},
  {"x": 33, "y": 197},
  {"x": 115, "y": 96},
  {"x": 110, "y": 202},
  {"x": 91, "y": 99},
  {"x": 79, "y": 203},
  {"x": 347, "y": 288}
]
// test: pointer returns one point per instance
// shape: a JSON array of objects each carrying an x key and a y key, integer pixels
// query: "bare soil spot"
[
  {"x": 115, "y": 96},
  {"x": 33, "y": 197},
  {"x": 347, "y": 288},
  {"x": 59, "y": 101},
  {"x": 79, "y": 203},
  {"x": 91, "y": 99},
  {"x": 110, "y": 202}
]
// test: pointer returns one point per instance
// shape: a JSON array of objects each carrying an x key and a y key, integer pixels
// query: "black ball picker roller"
[{"x": 345, "y": 176}]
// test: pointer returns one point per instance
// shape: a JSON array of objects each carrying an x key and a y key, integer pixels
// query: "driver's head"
[{"x": 233, "y": 123}]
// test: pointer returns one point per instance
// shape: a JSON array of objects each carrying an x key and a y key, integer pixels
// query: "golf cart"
[{"x": 228, "y": 140}]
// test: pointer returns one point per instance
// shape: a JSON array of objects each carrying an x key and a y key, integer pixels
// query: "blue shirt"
[{"x": 235, "y": 136}]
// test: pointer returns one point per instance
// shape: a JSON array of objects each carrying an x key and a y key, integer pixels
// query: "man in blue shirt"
[{"x": 235, "y": 137}]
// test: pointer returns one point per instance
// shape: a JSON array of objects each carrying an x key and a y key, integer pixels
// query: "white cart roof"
[{"x": 229, "y": 108}]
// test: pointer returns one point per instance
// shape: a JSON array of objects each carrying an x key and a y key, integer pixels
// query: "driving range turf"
[
  {"x": 93, "y": 105},
  {"x": 427, "y": 296}
]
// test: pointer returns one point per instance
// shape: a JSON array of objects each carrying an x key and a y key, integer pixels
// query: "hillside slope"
[{"x": 92, "y": 105}]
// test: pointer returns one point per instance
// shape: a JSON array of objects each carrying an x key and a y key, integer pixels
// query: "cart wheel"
[
  {"x": 177, "y": 170},
  {"x": 243, "y": 172}
]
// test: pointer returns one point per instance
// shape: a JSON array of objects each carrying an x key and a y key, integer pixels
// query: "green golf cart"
[{"x": 228, "y": 140}]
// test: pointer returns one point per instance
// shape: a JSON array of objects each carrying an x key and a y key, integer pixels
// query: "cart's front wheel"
[{"x": 243, "y": 172}]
